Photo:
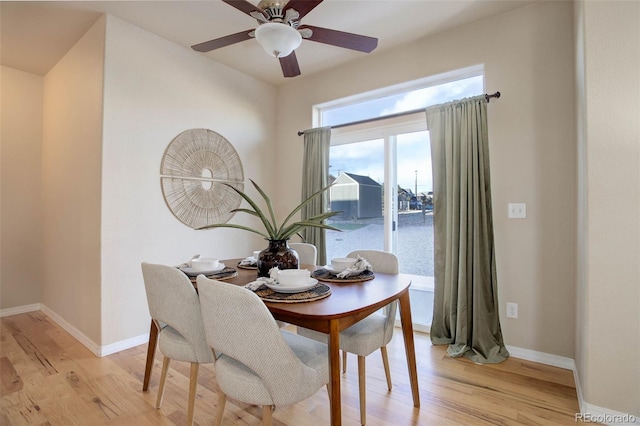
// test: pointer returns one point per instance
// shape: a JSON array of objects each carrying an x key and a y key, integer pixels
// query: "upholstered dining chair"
[
  {"x": 372, "y": 333},
  {"x": 175, "y": 308},
  {"x": 307, "y": 253},
  {"x": 257, "y": 363}
]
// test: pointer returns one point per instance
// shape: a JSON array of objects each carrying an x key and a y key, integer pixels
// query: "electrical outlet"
[
  {"x": 512, "y": 310},
  {"x": 517, "y": 210}
]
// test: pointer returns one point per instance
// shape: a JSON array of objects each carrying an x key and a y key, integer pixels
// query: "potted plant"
[{"x": 278, "y": 252}]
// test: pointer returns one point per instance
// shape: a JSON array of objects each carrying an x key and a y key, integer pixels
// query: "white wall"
[
  {"x": 528, "y": 57},
  {"x": 20, "y": 216},
  {"x": 71, "y": 168},
  {"x": 153, "y": 91},
  {"x": 608, "y": 346},
  {"x": 84, "y": 174}
]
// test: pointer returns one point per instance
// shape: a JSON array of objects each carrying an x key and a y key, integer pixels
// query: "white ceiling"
[{"x": 35, "y": 35}]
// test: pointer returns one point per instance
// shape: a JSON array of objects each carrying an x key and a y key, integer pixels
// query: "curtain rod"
[{"x": 399, "y": 114}]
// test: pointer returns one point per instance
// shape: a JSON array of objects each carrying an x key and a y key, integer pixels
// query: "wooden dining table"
[{"x": 348, "y": 303}]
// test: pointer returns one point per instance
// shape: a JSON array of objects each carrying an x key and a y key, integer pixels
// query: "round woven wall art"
[{"x": 195, "y": 168}]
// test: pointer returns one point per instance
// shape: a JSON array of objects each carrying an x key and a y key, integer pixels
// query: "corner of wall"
[
  {"x": 71, "y": 193},
  {"x": 72, "y": 330}
]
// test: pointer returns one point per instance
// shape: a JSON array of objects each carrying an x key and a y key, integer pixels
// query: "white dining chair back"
[
  {"x": 371, "y": 333},
  {"x": 381, "y": 261},
  {"x": 175, "y": 308},
  {"x": 257, "y": 362},
  {"x": 307, "y": 253},
  {"x": 385, "y": 263}
]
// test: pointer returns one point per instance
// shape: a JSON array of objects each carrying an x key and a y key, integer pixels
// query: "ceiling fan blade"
[
  {"x": 341, "y": 39},
  {"x": 222, "y": 41},
  {"x": 289, "y": 65},
  {"x": 302, "y": 6},
  {"x": 244, "y": 6}
]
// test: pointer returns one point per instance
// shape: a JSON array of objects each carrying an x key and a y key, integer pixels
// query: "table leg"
[
  {"x": 151, "y": 353},
  {"x": 407, "y": 332},
  {"x": 334, "y": 373}
]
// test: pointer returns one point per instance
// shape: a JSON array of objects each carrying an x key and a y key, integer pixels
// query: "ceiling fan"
[{"x": 279, "y": 32}]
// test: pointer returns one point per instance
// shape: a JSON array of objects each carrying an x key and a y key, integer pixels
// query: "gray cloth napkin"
[
  {"x": 272, "y": 279},
  {"x": 357, "y": 268},
  {"x": 257, "y": 284},
  {"x": 249, "y": 261}
]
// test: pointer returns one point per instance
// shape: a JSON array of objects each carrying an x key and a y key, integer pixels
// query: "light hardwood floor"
[{"x": 49, "y": 378}]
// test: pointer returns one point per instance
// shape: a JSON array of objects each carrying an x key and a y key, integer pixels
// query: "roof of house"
[{"x": 362, "y": 180}]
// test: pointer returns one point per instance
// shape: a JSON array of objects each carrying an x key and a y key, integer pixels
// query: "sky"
[{"x": 413, "y": 149}]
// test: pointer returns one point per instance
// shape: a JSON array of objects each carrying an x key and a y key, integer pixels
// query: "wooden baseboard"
[
  {"x": 542, "y": 358},
  {"x": 97, "y": 349},
  {"x": 124, "y": 344},
  {"x": 72, "y": 330},
  {"x": 20, "y": 310}
]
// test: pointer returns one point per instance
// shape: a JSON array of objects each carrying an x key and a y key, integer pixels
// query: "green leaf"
[
  {"x": 231, "y": 225},
  {"x": 270, "y": 229},
  {"x": 295, "y": 227},
  {"x": 268, "y": 202},
  {"x": 322, "y": 216},
  {"x": 273, "y": 231},
  {"x": 304, "y": 203}
]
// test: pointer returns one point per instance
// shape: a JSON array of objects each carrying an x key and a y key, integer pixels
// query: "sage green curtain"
[
  {"x": 465, "y": 314},
  {"x": 315, "y": 176}
]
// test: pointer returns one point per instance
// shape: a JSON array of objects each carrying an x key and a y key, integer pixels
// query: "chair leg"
[
  {"x": 163, "y": 378},
  {"x": 193, "y": 384},
  {"x": 266, "y": 415},
  {"x": 363, "y": 390},
  {"x": 344, "y": 361},
  {"x": 222, "y": 400},
  {"x": 385, "y": 361}
]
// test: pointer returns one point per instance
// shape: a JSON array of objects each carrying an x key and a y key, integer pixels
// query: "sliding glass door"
[
  {"x": 380, "y": 166},
  {"x": 383, "y": 189},
  {"x": 357, "y": 174}
]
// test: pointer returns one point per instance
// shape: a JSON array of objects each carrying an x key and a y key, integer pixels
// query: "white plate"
[
  {"x": 297, "y": 289},
  {"x": 190, "y": 271},
  {"x": 330, "y": 269}
]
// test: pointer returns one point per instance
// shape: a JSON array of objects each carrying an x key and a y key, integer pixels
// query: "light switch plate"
[{"x": 517, "y": 210}]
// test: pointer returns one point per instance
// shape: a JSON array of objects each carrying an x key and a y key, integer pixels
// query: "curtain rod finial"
[{"x": 488, "y": 97}]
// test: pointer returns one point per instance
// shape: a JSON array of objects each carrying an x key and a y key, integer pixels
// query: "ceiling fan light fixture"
[{"x": 278, "y": 39}]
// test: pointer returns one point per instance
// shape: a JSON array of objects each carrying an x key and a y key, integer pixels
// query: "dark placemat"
[
  {"x": 325, "y": 275},
  {"x": 254, "y": 267},
  {"x": 319, "y": 291},
  {"x": 223, "y": 274}
]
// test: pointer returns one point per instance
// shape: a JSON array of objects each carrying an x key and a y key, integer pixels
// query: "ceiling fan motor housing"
[
  {"x": 273, "y": 4},
  {"x": 275, "y": 13}
]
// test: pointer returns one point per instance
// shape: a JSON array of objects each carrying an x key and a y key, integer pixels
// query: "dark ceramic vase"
[{"x": 277, "y": 254}]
